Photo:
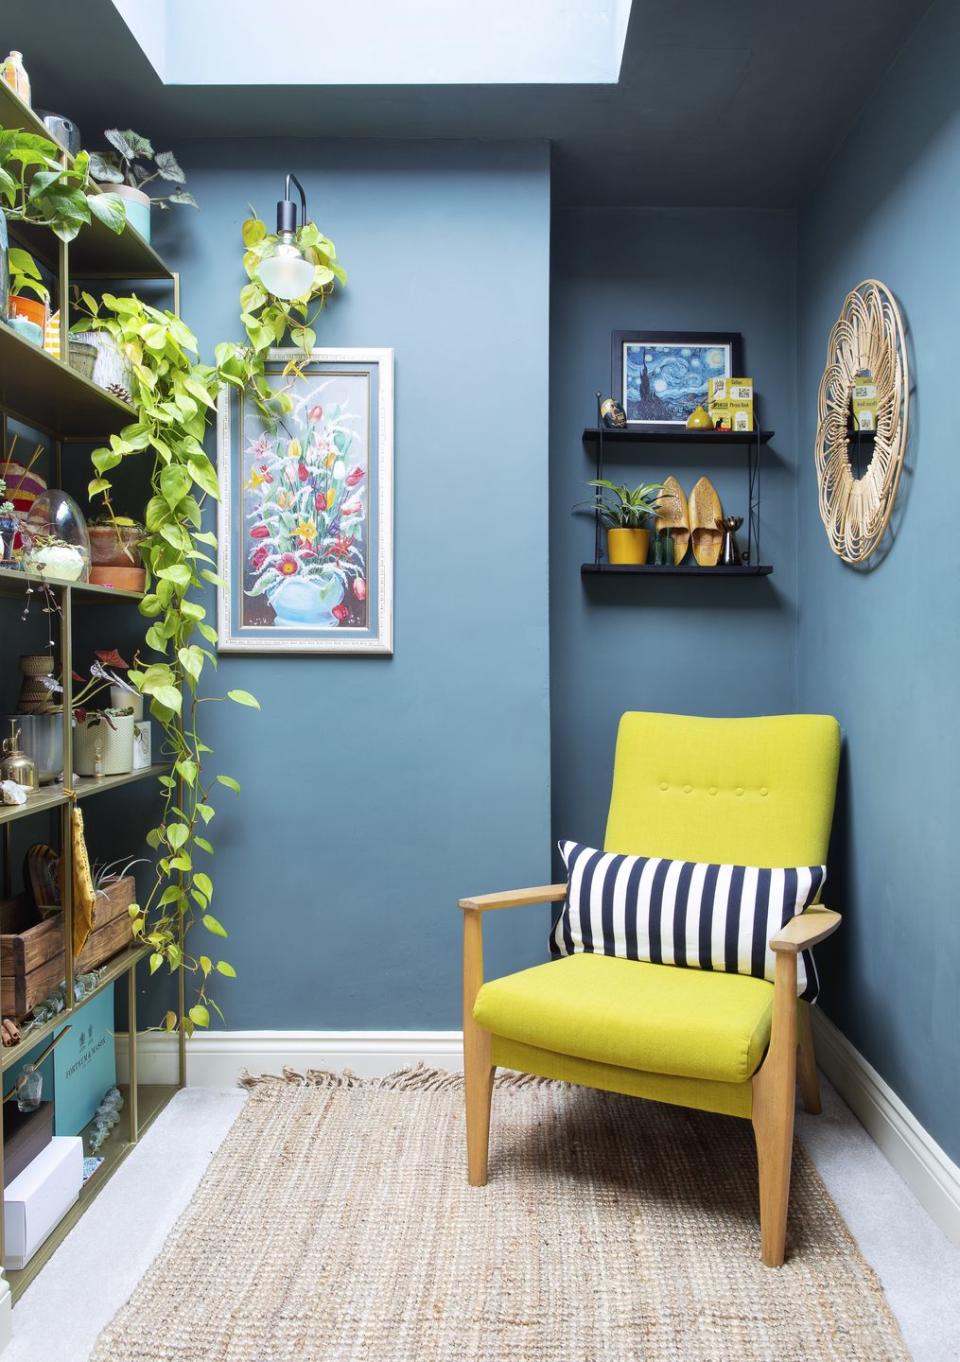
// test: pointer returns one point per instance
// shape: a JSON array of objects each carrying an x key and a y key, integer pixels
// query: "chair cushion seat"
[{"x": 656, "y": 1018}]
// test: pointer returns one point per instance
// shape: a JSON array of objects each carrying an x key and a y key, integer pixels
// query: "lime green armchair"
[{"x": 743, "y": 791}]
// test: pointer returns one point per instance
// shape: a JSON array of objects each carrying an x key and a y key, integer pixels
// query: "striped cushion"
[{"x": 713, "y": 917}]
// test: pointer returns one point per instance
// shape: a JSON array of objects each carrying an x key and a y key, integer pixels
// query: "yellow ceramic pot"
[
  {"x": 628, "y": 546},
  {"x": 699, "y": 420}
]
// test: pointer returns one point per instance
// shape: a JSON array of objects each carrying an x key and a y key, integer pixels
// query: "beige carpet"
[{"x": 335, "y": 1225}]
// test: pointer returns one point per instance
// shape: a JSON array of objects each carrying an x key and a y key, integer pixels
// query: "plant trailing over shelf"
[
  {"x": 173, "y": 395},
  {"x": 631, "y": 508},
  {"x": 36, "y": 187},
  {"x": 268, "y": 320},
  {"x": 134, "y": 162}
]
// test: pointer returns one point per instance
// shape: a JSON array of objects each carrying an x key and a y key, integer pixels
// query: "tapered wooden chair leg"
[
  {"x": 477, "y": 1068},
  {"x": 774, "y": 1103},
  {"x": 807, "y": 1061},
  {"x": 478, "y": 1085}
]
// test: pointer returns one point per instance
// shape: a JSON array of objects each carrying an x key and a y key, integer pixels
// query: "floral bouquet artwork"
[{"x": 305, "y": 515}]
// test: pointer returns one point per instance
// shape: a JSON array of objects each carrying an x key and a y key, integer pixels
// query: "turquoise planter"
[{"x": 137, "y": 205}]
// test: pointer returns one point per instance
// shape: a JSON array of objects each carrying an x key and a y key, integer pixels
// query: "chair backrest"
[{"x": 746, "y": 791}]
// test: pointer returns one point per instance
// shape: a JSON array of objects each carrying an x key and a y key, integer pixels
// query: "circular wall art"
[{"x": 866, "y": 351}]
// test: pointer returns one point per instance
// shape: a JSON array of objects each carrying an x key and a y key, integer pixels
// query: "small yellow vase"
[
  {"x": 628, "y": 546},
  {"x": 699, "y": 419}
]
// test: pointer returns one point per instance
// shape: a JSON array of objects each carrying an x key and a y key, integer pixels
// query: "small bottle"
[
  {"x": 15, "y": 74},
  {"x": 29, "y": 1088},
  {"x": 98, "y": 762}
]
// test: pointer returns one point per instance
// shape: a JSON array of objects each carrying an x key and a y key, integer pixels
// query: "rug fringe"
[{"x": 418, "y": 1078}]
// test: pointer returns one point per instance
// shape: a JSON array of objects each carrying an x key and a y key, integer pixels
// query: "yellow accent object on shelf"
[
  {"x": 15, "y": 74},
  {"x": 699, "y": 419},
  {"x": 864, "y": 402},
  {"x": 51, "y": 335},
  {"x": 84, "y": 894},
  {"x": 730, "y": 401}
]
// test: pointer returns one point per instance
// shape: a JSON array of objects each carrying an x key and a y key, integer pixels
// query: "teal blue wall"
[
  {"x": 376, "y": 791},
  {"x": 880, "y": 648},
  {"x": 715, "y": 647}
]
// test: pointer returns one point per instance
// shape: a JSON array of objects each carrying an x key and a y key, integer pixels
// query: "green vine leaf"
[{"x": 242, "y": 697}]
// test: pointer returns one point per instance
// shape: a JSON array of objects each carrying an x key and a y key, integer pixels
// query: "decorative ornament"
[
  {"x": 699, "y": 419},
  {"x": 867, "y": 338},
  {"x": 612, "y": 414}
]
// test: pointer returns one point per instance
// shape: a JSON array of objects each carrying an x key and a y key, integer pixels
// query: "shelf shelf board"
[
  {"x": 95, "y": 252},
  {"x": 52, "y": 796},
  {"x": 43, "y": 391},
  {"x": 114, "y": 969},
  {"x": 13, "y": 581},
  {"x": 152, "y": 1098},
  {"x": 684, "y": 570},
  {"x": 641, "y": 435}
]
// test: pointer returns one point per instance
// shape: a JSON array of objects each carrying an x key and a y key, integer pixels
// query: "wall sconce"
[{"x": 284, "y": 272}]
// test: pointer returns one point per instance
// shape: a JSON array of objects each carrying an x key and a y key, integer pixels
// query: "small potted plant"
[
  {"x": 115, "y": 552},
  {"x": 626, "y": 512},
  {"x": 130, "y": 167},
  {"x": 26, "y": 315}
]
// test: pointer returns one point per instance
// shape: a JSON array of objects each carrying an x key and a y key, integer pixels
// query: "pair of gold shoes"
[{"x": 694, "y": 523}]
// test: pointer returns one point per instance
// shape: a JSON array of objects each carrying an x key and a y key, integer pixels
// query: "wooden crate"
[{"x": 32, "y": 961}]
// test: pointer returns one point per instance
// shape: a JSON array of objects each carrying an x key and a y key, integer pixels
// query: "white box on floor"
[{"x": 38, "y": 1198}]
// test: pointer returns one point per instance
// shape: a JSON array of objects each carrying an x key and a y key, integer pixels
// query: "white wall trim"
[
  {"x": 931, "y": 1175},
  {"x": 216, "y": 1058}
]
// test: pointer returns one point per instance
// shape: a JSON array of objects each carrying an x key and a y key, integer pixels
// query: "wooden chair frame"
[{"x": 790, "y": 1055}]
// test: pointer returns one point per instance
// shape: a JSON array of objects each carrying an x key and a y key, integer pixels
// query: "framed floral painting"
[{"x": 306, "y": 509}]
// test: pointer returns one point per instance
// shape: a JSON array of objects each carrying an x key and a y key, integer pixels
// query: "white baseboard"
[
  {"x": 215, "y": 1059},
  {"x": 931, "y": 1175}
]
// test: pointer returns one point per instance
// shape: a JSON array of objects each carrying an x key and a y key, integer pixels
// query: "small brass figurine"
[{"x": 730, "y": 555}]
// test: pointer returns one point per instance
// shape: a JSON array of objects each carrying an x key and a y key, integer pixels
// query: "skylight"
[{"x": 381, "y": 42}]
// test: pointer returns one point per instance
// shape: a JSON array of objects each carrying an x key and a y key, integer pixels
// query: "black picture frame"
[{"x": 731, "y": 341}]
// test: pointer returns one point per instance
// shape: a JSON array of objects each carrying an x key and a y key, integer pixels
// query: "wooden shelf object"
[
  {"x": 683, "y": 570},
  {"x": 13, "y": 582},
  {"x": 640, "y": 435},
  {"x": 46, "y": 393},
  {"x": 95, "y": 252},
  {"x": 53, "y": 797}
]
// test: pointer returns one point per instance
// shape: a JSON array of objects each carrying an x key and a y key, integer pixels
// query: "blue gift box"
[{"x": 84, "y": 1065}]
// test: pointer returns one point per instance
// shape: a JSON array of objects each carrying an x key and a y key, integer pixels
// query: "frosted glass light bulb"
[{"x": 285, "y": 273}]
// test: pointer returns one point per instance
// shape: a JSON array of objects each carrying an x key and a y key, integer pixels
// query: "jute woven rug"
[{"x": 335, "y": 1224}]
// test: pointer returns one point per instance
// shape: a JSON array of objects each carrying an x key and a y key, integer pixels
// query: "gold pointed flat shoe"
[
  {"x": 672, "y": 514},
  {"x": 705, "y": 511}
]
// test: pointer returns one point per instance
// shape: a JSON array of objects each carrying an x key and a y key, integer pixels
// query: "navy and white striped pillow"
[{"x": 713, "y": 917}]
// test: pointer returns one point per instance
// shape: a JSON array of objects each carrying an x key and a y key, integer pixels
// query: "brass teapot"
[{"x": 16, "y": 765}]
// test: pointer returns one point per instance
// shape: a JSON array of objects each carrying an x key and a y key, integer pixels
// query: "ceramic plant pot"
[
  {"x": 123, "y": 699},
  {"x": 115, "y": 545},
  {"x": 19, "y": 305},
  {"x": 628, "y": 546},
  {"x": 137, "y": 204},
  {"x": 116, "y": 744},
  {"x": 300, "y": 601},
  {"x": 83, "y": 358},
  {"x": 112, "y": 370}
]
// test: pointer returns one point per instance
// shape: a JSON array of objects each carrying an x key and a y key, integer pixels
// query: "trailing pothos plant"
[
  {"x": 173, "y": 394},
  {"x": 37, "y": 187},
  {"x": 268, "y": 320}
]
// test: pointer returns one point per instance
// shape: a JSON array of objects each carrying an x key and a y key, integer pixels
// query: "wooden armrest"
[
  {"x": 805, "y": 931},
  {"x": 516, "y": 898}
]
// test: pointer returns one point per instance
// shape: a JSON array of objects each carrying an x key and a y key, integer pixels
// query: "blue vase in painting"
[{"x": 300, "y": 602}]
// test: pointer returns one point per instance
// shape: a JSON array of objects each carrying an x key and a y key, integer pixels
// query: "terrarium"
[{"x": 57, "y": 543}]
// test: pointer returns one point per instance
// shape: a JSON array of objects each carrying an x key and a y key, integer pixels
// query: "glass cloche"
[{"x": 56, "y": 542}]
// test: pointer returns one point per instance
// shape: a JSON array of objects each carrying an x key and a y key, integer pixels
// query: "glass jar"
[
  {"x": 29, "y": 1088},
  {"x": 57, "y": 540}
]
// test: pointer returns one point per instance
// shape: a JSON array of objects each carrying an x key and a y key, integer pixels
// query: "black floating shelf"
[
  {"x": 640, "y": 435},
  {"x": 684, "y": 570}
]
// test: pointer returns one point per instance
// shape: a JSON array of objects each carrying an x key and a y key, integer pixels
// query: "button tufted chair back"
[{"x": 747, "y": 791}]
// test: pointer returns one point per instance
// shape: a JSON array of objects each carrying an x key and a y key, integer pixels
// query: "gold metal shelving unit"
[{"x": 45, "y": 394}]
